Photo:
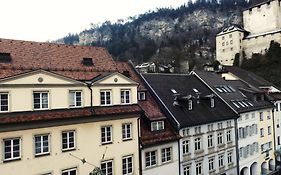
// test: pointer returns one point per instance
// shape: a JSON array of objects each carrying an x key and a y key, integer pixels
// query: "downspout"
[
  {"x": 139, "y": 148},
  {"x": 274, "y": 141},
  {"x": 237, "y": 145},
  {"x": 91, "y": 92},
  {"x": 179, "y": 155}
]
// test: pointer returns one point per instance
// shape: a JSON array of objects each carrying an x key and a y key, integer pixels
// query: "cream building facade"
[
  {"x": 261, "y": 25},
  {"x": 49, "y": 144}
]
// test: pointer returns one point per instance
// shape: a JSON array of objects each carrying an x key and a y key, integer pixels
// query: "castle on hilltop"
[{"x": 262, "y": 24}]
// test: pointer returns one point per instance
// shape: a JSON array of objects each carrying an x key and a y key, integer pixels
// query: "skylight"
[
  {"x": 225, "y": 89},
  {"x": 174, "y": 91},
  {"x": 195, "y": 90}
]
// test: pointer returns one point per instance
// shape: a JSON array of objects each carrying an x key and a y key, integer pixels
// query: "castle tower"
[{"x": 228, "y": 44}]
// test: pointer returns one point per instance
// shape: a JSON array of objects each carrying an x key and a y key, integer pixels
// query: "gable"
[
  {"x": 115, "y": 79},
  {"x": 39, "y": 77}
]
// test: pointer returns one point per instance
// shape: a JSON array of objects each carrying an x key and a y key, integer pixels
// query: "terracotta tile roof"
[
  {"x": 152, "y": 112},
  {"x": 46, "y": 115},
  {"x": 64, "y": 59}
]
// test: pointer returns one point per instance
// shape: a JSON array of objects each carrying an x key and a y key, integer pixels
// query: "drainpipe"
[
  {"x": 274, "y": 141},
  {"x": 139, "y": 147},
  {"x": 91, "y": 90},
  {"x": 237, "y": 145},
  {"x": 179, "y": 156}
]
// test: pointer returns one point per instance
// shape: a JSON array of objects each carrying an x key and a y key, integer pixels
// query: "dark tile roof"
[
  {"x": 201, "y": 112},
  {"x": 62, "y": 59},
  {"x": 55, "y": 114},
  {"x": 243, "y": 92},
  {"x": 152, "y": 112}
]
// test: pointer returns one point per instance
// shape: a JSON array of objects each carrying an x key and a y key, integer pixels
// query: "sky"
[{"x": 47, "y": 20}]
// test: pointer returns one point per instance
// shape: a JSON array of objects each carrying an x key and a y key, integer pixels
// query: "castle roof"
[{"x": 232, "y": 28}]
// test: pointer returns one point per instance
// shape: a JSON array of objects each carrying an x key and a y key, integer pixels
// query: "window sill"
[
  {"x": 201, "y": 151},
  {"x": 221, "y": 145},
  {"x": 106, "y": 143},
  {"x": 126, "y": 140},
  {"x": 11, "y": 160},
  {"x": 68, "y": 149},
  {"x": 42, "y": 154}
]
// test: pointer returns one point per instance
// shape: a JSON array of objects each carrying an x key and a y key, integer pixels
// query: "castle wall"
[
  {"x": 263, "y": 18},
  {"x": 259, "y": 44}
]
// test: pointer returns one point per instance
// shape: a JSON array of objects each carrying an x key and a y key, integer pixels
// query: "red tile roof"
[
  {"x": 152, "y": 112},
  {"x": 46, "y": 115},
  {"x": 63, "y": 59}
]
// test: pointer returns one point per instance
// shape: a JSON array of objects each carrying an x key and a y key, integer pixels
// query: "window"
[
  {"x": 222, "y": 37},
  {"x": 198, "y": 168},
  {"x": 210, "y": 127},
  {"x": 166, "y": 154},
  {"x": 68, "y": 140},
  {"x": 3, "y": 102},
  {"x": 269, "y": 130},
  {"x": 229, "y": 157},
  {"x": 12, "y": 149},
  {"x": 157, "y": 126},
  {"x": 278, "y": 141},
  {"x": 127, "y": 131},
  {"x": 197, "y": 130},
  {"x": 276, "y": 106},
  {"x": 230, "y": 35},
  {"x": 253, "y": 115},
  {"x": 125, "y": 96},
  {"x": 40, "y": 100},
  {"x": 211, "y": 164},
  {"x": 261, "y": 132},
  {"x": 107, "y": 167},
  {"x": 240, "y": 153},
  {"x": 105, "y": 97},
  {"x": 72, "y": 171},
  {"x": 75, "y": 98},
  {"x": 268, "y": 115},
  {"x": 42, "y": 144},
  {"x": 222, "y": 43},
  {"x": 127, "y": 164},
  {"x": 197, "y": 143},
  {"x": 186, "y": 170},
  {"x": 185, "y": 146},
  {"x": 228, "y": 124},
  {"x": 185, "y": 132},
  {"x": 150, "y": 158},
  {"x": 210, "y": 141},
  {"x": 212, "y": 102},
  {"x": 220, "y": 126},
  {"x": 261, "y": 116},
  {"x": 141, "y": 96},
  {"x": 221, "y": 163},
  {"x": 228, "y": 136},
  {"x": 106, "y": 134},
  {"x": 220, "y": 138},
  {"x": 189, "y": 104}
]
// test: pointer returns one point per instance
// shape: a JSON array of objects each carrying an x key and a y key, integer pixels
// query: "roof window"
[
  {"x": 157, "y": 126},
  {"x": 5, "y": 58},
  {"x": 174, "y": 91},
  {"x": 87, "y": 62}
]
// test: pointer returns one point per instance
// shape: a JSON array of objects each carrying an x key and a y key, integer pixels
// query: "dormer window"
[
  {"x": 87, "y": 62},
  {"x": 212, "y": 102},
  {"x": 189, "y": 104},
  {"x": 141, "y": 96},
  {"x": 5, "y": 58},
  {"x": 157, "y": 126}
]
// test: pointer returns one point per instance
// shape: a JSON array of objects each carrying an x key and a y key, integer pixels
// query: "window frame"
[
  {"x": 125, "y": 161},
  {"x": 107, "y": 167},
  {"x": 12, "y": 151},
  {"x": 185, "y": 147},
  {"x": 198, "y": 168},
  {"x": 221, "y": 160},
  {"x": 75, "y": 98},
  {"x": 125, "y": 134},
  {"x": 68, "y": 171},
  {"x": 158, "y": 127},
  {"x": 125, "y": 91},
  {"x": 68, "y": 148},
  {"x": 210, "y": 140},
  {"x": 141, "y": 97},
  {"x": 41, "y": 100},
  {"x": 42, "y": 146},
  {"x": 211, "y": 163},
  {"x": 229, "y": 157},
  {"x": 149, "y": 162},
  {"x": 4, "y": 93},
  {"x": 105, "y": 140},
  {"x": 105, "y": 97},
  {"x": 197, "y": 144},
  {"x": 166, "y": 155},
  {"x": 220, "y": 138},
  {"x": 228, "y": 136}
]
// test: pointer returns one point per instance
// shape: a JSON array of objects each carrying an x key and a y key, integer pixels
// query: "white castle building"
[{"x": 262, "y": 24}]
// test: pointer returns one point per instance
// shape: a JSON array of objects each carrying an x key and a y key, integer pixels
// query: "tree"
[{"x": 236, "y": 60}]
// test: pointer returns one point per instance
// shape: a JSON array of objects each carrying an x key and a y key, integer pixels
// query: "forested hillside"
[{"x": 177, "y": 36}]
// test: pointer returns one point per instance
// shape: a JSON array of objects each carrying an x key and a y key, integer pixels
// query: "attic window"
[
  {"x": 157, "y": 126},
  {"x": 87, "y": 62},
  {"x": 174, "y": 91},
  {"x": 212, "y": 102},
  {"x": 5, "y": 58},
  {"x": 141, "y": 96},
  {"x": 189, "y": 104}
]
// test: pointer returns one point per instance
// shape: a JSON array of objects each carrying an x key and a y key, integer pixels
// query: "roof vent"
[
  {"x": 126, "y": 73},
  {"x": 87, "y": 62},
  {"x": 5, "y": 58}
]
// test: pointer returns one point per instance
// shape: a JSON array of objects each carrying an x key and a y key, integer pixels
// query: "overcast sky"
[{"x": 42, "y": 20}]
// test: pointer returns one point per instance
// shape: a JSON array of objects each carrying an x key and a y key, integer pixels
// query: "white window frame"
[
  {"x": 105, "y": 138},
  {"x": 41, "y": 144},
  {"x": 125, "y": 96},
  {"x": 228, "y": 136},
  {"x": 211, "y": 164},
  {"x": 212, "y": 102},
  {"x": 1, "y": 102},
  {"x": 229, "y": 157},
  {"x": 75, "y": 99},
  {"x": 103, "y": 98},
  {"x": 220, "y": 138},
  {"x": 221, "y": 160},
  {"x": 197, "y": 144},
  {"x": 127, "y": 165},
  {"x": 269, "y": 130},
  {"x": 186, "y": 170},
  {"x": 12, "y": 149},
  {"x": 189, "y": 104},
  {"x": 166, "y": 154},
  {"x": 41, "y": 100},
  {"x": 198, "y": 168},
  {"x": 126, "y": 131},
  {"x": 108, "y": 166},
  {"x": 141, "y": 96},
  {"x": 185, "y": 146},
  {"x": 68, "y": 140},
  {"x": 68, "y": 171},
  {"x": 261, "y": 132},
  {"x": 157, "y": 126},
  {"x": 210, "y": 141},
  {"x": 150, "y": 159}
]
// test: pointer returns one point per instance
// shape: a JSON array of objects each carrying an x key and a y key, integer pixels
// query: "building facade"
[{"x": 261, "y": 25}]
